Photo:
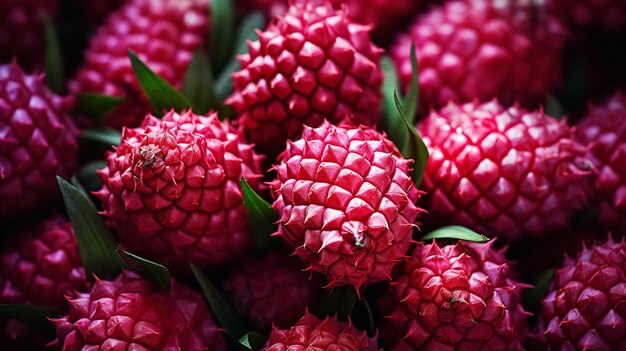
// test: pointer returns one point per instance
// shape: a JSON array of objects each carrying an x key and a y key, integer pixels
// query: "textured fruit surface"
[
  {"x": 37, "y": 143},
  {"x": 482, "y": 49},
  {"x": 604, "y": 129},
  {"x": 311, "y": 333},
  {"x": 163, "y": 33},
  {"x": 455, "y": 297},
  {"x": 172, "y": 189},
  {"x": 586, "y": 306},
  {"x": 130, "y": 313},
  {"x": 609, "y": 14},
  {"x": 504, "y": 172},
  {"x": 22, "y": 30},
  {"x": 270, "y": 291},
  {"x": 310, "y": 64},
  {"x": 346, "y": 202}
]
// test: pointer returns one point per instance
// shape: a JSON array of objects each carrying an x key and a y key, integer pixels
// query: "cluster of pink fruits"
[{"x": 312, "y": 175}]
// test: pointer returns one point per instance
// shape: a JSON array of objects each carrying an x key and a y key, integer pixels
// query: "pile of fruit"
[{"x": 313, "y": 175}]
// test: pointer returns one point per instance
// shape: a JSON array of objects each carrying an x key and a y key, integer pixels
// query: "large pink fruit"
[
  {"x": 505, "y": 172},
  {"x": 346, "y": 202},
  {"x": 172, "y": 189},
  {"x": 310, "y": 64},
  {"x": 455, "y": 297}
]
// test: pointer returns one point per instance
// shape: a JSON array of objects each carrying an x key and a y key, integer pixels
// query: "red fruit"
[
  {"x": 172, "y": 189},
  {"x": 130, "y": 313},
  {"x": 346, "y": 203},
  {"x": 311, "y": 333},
  {"x": 505, "y": 172},
  {"x": 310, "y": 64},
  {"x": 586, "y": 306},
  {"x": 456, "y": 297},
  {"x": 609, "y": 14},
  {"x": 604, "y": 129},
  {"x": 482, "y": 49},
  {"x": 273, "y": 290},
  {"x": 163, "y": 33},
  {"x": 37, "y": 143}
]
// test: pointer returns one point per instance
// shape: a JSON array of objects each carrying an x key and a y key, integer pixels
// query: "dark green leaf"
[
  {"x": 393, "y": 124},
  {"x": 533, "y": 297},
  {"x": 97, "y": 106},
  {"x": 34, "y": 317},
  {"x": 371, "y": 331},
  {"x": 339, "y": 302},
  {"x": 222, "y": 30},
  {"x": 262, "y": 217},
  {"x": 75, "y": 182},
  {"x": 455, "y": 232},
  {"x": 415, "y": 148},
  {"x": 198, "y": 86},
  {"x": 95, "y": 242},
  {"x": 105, "y": 136},
  {"x": 252, "y": 341},
  {"x": 553, "y": 107},
  {"x": 247, "y": 31},
  {"x": 54, "y": 61},
  {"x": 162, "y": 96},
  {"x": 157, "y": 273},
  {"x": 222, "y": 310},
  {"x": 88, "y": 177},
  {"x": 412, "y": 97}
]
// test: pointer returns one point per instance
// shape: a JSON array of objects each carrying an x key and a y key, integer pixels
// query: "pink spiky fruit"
[
  {"x": 171, "y": 188},
  {"x": 455, "y": 297},
  {"x": 346, "y": 202},
  {"x": 505, "y": 172}
]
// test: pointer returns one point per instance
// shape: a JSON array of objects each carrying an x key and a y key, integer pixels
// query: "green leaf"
[
  {"x": 393, "y": 124},
  {"x": 415, "y": 148},
  {"x": 198, "y": 86},
  {"x": 95, "y": 242},
  {"x": 157, "y": 273},
  {"x": 88, "y": 177},
  {"x": 252, "y": 341},
  {"x": 262, "y": 217},
  {"x": 553, "y": 107},
  {"x": 455, "y": 232},
  {"x": 246, "y": 31},
  {"x": 97, "y": 106},
  {"x": 105, "y": 136},
  {"x": 371, "y": 323},
  {"x": 75, "y": 182},
  {"x": 412, "y": 97},
  {"x": 533, "y": 297},
  {"x": 222, "y": 310},
  {"x": 222, "y": 29},
  {"x": 54, "y": 61},
  {"x": 161, "y": 94},
  {"x": 34, "y": 317},
  {"x": 340, "y": 302}
]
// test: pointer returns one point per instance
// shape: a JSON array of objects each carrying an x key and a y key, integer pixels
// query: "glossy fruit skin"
[
  {"x": 311, "y": 64},
  {"x": 455, "y": 297},
  {"x": 481, "y": 49},
  {"x": 606, "y": 14},
  {"x": 586, "y": 306},
  {"x": 505, "y": 172},
  {"x": 172, "y": 191},
  {"x": 274, "y": 290},
  {"x": 37, "y": 143},
  {"x": 604, "y": 129},
  {"x": 346, "y": 202},
  {"x": 311, "y": 333},
  {"x": 131, "y": 313},
  {"x": 163, "y": 33}
]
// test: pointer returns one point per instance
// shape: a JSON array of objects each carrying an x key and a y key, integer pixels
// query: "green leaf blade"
[
  {"x": 392, "y": 121},
  {"x": 455, "y": 232},
  {"x": 223, "y": 25},
  {"x": 534, "y": 296},
  {"x": 415, "y": 148},
  {"x": 54, "y": 61},
  {"x": 198, "y": 85},
  {"x": 97, "y": 106},
  {"x": 252, "y": 341},
  {"x": 105, "y": 136},
  {"x": 157, "y": 273},
  {"x": 261, "y": 215},
  {"x": 411, "y": 99}
]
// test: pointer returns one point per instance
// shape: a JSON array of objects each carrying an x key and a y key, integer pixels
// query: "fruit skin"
[
  {"x": 586, "y": 306},
  {"x": 38, "y": 142},
  {"x": 346, "y": 202},
  {"x": 310, "y": 64},
  {"x": 604, "y": 128},
  {"x": 505, "y": 172},
  {"x": 311, "y": 333},
  {"x": 455, "y": 297},
  {"x": 607, "y": 14},
  {"x": 172, "y": 189},
  {"x": 163, "y": 33},
  {"x": 130, "y": 313},
  {"x": 481, "y": 49},
  {"x": 22, "y": 30}
]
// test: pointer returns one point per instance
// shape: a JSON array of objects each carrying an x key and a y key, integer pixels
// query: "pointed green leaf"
[
  {"x": 198, "y": 86},
  {"x": 97, "y": 106},
  {"x": 553, "y": 107},
  {"x": 95, "y": 242},
  {"x": 533, "y": 297},
  {"x": 455, "y": 232},
  {"x": 54, "y": 61},
  {"x": 340, "y": 302},
  {"x": 222, "y": 30},
  {"x": 162, "y": 96},
  {"x": 393, "y": 124},
  {"x": 156, "y": 273},
  {"x": 34, "y": 317},
  {"x": 105, "y": 136},
  {"x": 222, "y": 310},
  {"x": 252, "y": 341},
  {"x": 245, "y": 32},
  {"x": 414, "y": 148},
  {"x": 88, "y": 177},
  {"x": 75, "y": 182},
  {"x": 412, "y": 97},
  {"x": 262, "y": 217},
  {"x": 371, "y": 322}
]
